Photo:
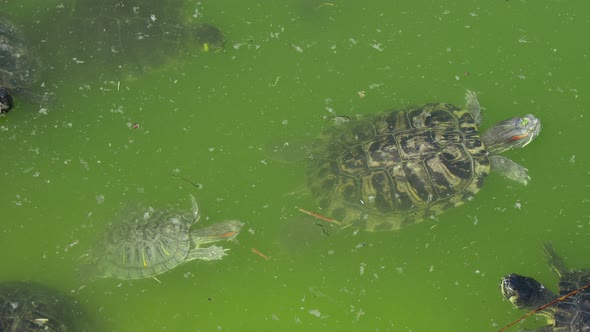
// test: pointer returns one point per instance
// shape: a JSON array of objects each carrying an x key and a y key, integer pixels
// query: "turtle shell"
[
  {"x": 18, "y": 67},
  {"x": 383, "y": 171},
  {"x": 573, "y": 313},
  {"x": 145, "y": 246}
]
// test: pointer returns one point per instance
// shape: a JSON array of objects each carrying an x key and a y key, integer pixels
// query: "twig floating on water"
[
  {"x": 196, "y": 185},
  {"x": 254, "y": 250},
  {"x": 319, "y": 216}
]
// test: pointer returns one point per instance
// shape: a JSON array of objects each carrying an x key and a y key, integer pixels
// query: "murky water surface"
[{"x": 159, "y": 123}]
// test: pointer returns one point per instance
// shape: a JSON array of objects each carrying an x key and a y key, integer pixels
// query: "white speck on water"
[
  {"x": 431, "y": 269},
  {"x": 153, "y": 17},
  {"x": 517, "y": 205},
  {"x": 285, "y": 122},
  {"x": 359, "y": 313},
  {"x": 84, "y": 164},
  {"x": 475, "y": 221},
  {"x": 298, "y": 48},
  {"x": 67, "y": 247},
  {"x": 362, "y": 268},
  {"x": 99, "y": 199},
  {"x": 399, "y": 270},
  {"x": 377, "y": 46},
  {"x": 316, "y": 312},
  {"x": 573, "y": 159}
]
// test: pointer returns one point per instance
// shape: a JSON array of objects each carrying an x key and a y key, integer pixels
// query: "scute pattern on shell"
[
  {"x": 147, "y": 247},
  {"x": 573, "y": 313},
  {"x": 398, "y": 167}
]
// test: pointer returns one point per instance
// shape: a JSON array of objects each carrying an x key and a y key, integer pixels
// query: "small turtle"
[
  {"x": 131, "y": 36},
  {"x": 569, "y": 314},
  {"x": 210, "y": 38},
  {"x": 19, "y": 69},
  {"x": 32, "y": 307},
  {"x": 380, "y": 172},
  {"x": 156, "y": 241}
]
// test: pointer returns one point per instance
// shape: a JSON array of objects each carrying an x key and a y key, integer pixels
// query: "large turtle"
[
  {"x": 131, "y": 36},
  {"x": 382, "y": 171},
  {"x": 569, "y": 314},
  {"x": 19, "y": 68},
  {"x": 32, "y": 307},
  {"x": 155, "y": 241}
]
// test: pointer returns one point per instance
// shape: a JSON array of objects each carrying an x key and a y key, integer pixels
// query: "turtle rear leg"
[{"x": 509, "y": 169}]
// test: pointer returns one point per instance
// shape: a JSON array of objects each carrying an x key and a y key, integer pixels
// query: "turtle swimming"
[
  {"x": 19, "y": 68},
  {"x": 131, "y": 36},
  {"x": 152, "y": 242},
  {"x": 380, "y": 172},
  {"x": 569, "y": 314}
]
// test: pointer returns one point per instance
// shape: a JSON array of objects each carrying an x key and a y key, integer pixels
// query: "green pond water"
[{"x": 69, "y": 168}]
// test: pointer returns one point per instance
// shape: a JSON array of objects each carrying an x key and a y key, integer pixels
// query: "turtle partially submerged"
[
  {"x": 156, "y": 241},
  {"x": 19, "y": 68},
  {"x": 32, "y": 307},
  {"x": 569, "y": 314},
  {"x": 131, "y": 36},
  {"x": 383, "y": 171}
]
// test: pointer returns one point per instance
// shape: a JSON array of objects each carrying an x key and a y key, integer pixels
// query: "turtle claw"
[
  {"x": 509, "y": 169},
  {"x": 215, "y": 253}
]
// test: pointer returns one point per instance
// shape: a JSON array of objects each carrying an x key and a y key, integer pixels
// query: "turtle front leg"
[
  {"x": 211, "y": 253},
  {"x": 472, "y": 105},
  {"x": 509, "y": 169}
]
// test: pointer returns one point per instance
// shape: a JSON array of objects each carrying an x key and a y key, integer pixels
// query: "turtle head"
[
  {"x": 209, "y": 38},
  {"x": 525, "y": 292},
  {"x": 6, "y": 102},
  {"x": 512, "y": 133}
]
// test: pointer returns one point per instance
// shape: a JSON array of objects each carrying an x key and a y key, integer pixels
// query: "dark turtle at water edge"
[
  {"x": 569, "y": 314},
  {"x": 19, "y": 68},
  {"x": 31, "y": 307},
  {"x": 130, "y": 36},
  {"x": 380, "y": 172}
]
